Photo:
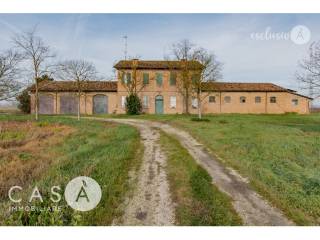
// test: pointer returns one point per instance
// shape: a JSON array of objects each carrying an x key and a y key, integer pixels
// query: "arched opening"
[
  {"x": 68, "y": 104},
  {"x": 159, "y": 104},
  {"x": 100, "y": 104},
  {"x": 46, "y": 104}
]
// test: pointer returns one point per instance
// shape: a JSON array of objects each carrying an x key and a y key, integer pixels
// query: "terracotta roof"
[
  {"x": 246, "y": 87},
  {"x": 243, "y": 87},
  {"x": 128, "y": 64},
  {"x": 111, "y": 86},
  {"x": 71, "y": 86}
]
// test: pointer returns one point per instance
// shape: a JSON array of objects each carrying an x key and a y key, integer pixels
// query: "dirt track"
[
  {"x": 151, "y": 203},
  {"x": 250, "y": 206}
]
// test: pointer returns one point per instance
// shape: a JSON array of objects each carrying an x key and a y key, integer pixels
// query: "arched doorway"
[
  {"x": 159, "y": 104},
  {"x": 46, "y": 104},
  {"x": 68, "y": 104},
  {"x": 100, "y": 104}
]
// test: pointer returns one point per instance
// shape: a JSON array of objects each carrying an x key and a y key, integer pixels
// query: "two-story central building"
[{"x": 157, "y": 88}]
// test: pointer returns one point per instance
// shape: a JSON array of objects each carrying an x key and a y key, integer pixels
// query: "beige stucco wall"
[
  {"x": 283, "y": 104},
  {"x": 86, "y": 101},
  {"x": 152, "y": 90}
]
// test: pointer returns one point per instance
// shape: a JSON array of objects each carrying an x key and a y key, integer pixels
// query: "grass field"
[
  {"x": 197, "y": 201},
  {"x": 280, "y": 154},
  {"x": 57, "y": 149}
]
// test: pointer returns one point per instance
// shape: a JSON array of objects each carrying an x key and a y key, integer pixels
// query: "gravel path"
[{"x": 152, "y": 205}]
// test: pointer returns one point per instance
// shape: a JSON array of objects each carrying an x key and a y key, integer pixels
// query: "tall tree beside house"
[
  {"x": 9, "y": 73},
  {"x": 211, "y": 71},
  {"x": 309, "y": 73},
  {"x": 130, "y": 79},
  {"x": 79, "y": 71},
  {"x": 183, "y": 51},
  {"x": 197, "y": 67},
  {"x": 37, "y": 53},
  {"x": 133, "y": 85}
]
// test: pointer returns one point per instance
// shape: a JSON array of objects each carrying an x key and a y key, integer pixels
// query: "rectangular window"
[
  {"x": 159, "y": 79},
  {"x": 273, "y": 99},
  {"x": 123, "y": 101},
  {"x": 194, "y": 102},
  {"x": 242, "y": 99},
  {"x": 257, "y": 99},
  {"x": 227, "y": 99},
  {"x": 126, "y": 78},
  {"x": 173, "y": 102},
  {"x": 173, "y": 78},
  {"x": 145, "y": 78},
  {"x": 212, "y": 99},
  {"x": 295, "y": 102},
  {"x": 195, "y": 78},
  {"x": 145, "y": 101}
]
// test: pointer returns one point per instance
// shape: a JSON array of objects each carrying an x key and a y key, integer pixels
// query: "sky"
[{"x": 99, "y": 38}]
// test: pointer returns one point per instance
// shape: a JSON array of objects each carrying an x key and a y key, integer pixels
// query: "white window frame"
[
  {"x": 173, "y": 101},
  {"x": 273, "y": 99},
  {"x": 145, "y": 101},
  {"x": 214, "y": 99},
  {"x": 225, "y": 99},
  {"x": 295, "y": 102},
  {"x": 123, "y": 101},
  {"x": 243, "y": 99},
  {"x": 194, "y": 102},
  {"x": 257, "y": 97}
]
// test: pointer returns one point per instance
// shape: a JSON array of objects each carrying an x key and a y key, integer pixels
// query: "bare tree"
[
  {"x": 9, "y": 73},
  {"x": 197, "y": 66},
  {"x": 309, "y": 74},
  {"x": 130, "y": 80},
  {"x": 34, "y": 50},
  {"x": 210, "y": 72},
  {"x": 183, "y": 51},
  {"x": 79, "y": 71}
]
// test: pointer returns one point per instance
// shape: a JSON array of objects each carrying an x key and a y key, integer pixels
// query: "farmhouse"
[{"x": 157, "y": 86}]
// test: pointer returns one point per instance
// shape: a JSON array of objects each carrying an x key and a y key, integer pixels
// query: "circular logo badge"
[
  {"x": 83, "y": 193},
  {"x": 300, "y": 34}
]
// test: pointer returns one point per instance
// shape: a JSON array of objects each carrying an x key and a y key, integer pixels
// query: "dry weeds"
[{"x": 25, "y": 151}]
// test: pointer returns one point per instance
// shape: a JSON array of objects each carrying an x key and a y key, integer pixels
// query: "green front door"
[{"x": 159, "y": 104}]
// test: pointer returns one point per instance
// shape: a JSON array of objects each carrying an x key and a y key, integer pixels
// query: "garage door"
[
  {"x": 100, "y": 104},
  {"x": 68, "y": 104},
  {"x": 46, "y": 104}
]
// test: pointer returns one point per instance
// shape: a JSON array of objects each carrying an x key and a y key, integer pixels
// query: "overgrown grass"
[
  {"x": 198, "y": 202},
  {"x": 106, "y": 152},
  {"x": 280, "y": 154}
]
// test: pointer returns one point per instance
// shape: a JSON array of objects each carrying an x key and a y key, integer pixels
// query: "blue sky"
[{"x": 98, "y": 38}]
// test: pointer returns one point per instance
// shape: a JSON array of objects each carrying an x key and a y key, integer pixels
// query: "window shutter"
[
  {"x": 128, "y": 78},
  {"x": 173, "y": 78},
  {"x": 145, "y": 78},
  {"x": 159, "y": 79},
  {"x": 195, "y": 78}
]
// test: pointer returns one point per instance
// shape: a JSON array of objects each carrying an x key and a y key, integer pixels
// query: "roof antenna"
[{"x": 125, "y": 46}]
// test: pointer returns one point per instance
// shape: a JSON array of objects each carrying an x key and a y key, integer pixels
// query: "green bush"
[
  {"x": 24, "y": 101},
  {"x": 133, "y": 104}
]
